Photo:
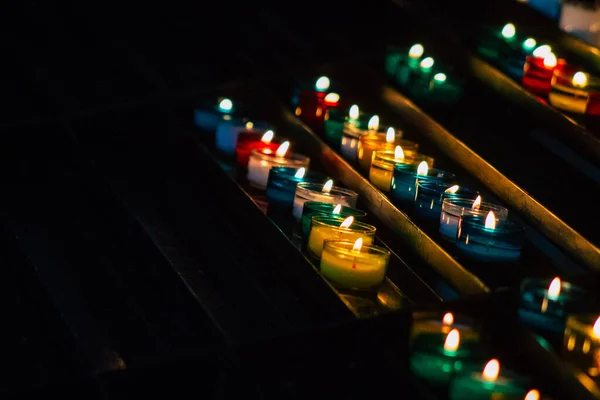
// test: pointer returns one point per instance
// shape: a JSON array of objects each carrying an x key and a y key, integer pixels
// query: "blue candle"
[
  {"x": 488, "y": 240},
  {"x": 546, "y": 304},
  {"x": 488, "y": 384},
  {"x": 403, "y": 186},
  {"x": 282, "y": 182},
  {"x": 209, "y": 117},
  {"x": 430, "y": 195}
]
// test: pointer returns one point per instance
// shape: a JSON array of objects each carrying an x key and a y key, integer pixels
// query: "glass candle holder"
[
  {"x": 307, "y": 191},
  {"x": 349, "y": 144},
  {"x": 537, "y": 75},
  {"x": 403, "y": 185},
  {"x": 336, "y": 121},
  {"x": 208, "y": 116},
  {"x": 575, "y": 91},
  {"x": 324, "y": 228},
  {"x": 453, "y": 209},
  {"x": 312, "y": 208},
  {"x": 382, "y": 166},
  {"x": 430, "y": 195},
  {"x": 582, "y": 344},
  {"x": 261, "y": 161},
  {"x": 248, "y": 141},
  {"x": 312, "y": 106},
  {"x": 281, "y": 186},
  {"x": 347, "y": 268},
  {"x": 500, "y": 244},
  {"x": 228, "y": 131},
  {"x": 546, "y": 308},
  {"x": 371, "y": 142},
  {"x": 434, "y": 356},
  {"x": 476, "y": 385}
]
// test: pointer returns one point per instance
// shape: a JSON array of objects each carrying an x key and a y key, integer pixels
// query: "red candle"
[
  {"x": 248, "y": 141},
  {"x": 538, "y": 73},
  {"x": 313, "y": 105}
]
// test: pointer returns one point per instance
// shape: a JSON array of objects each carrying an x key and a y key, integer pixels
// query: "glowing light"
[
  {"x": 490, "y": 220},
  {"x": 439, "y": 77},
  {"x": 357, "y": 245},
  {"x": 226, "y": 105},
  {"x": 491, "y": 370},
  {"x": 249, "y": 125},
  {"x": 452, "y": 340},
  {"x": 580, "y": 79},
  {"x": 300, "y": 173},
  {"x": 509, "y": 31},
  {"x": 533, "y": 394},
  {"x": 427, "y": 63},
  {"x": 452, "y": 189},
  {"x": 327, "y": 186},
  {"x": 398, "y": 153},
  {"x": 354, "y": 112},
  {"x": 332, "y": 97},
  {"x": 416, "y": 51},
  {"x": 542, "y": 51},
  {"x": 448, "y": 319},
  {"x": 347, "y": 222},
  {"x": 267, "y": 137},
  {"x": 550, "y": 61},
  {"x": 476, "y": 203},
  {"x": 337, "y": 209},
  {"x": 322, "y": 84},
  {"x": 281, "y": 150},
  {"x": 529, "y": 43},
  {"x": 554, "y": 289},
  {"x": 373, "y": 123},
  {"x": 390, "y": 135},
  {"x": 596, "y": 328},
  {"x": 423, "y": 168}
]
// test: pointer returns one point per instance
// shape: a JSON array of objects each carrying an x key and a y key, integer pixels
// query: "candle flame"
[
  {"x": 226, "y": 104},
  {"x": 476, "y": 203},
  {"x": 554, "y": 288},
  {"x": 354, "y": 112},
  {"x": 281, "y": 150},
  {"x": 448, "y": 319},
  {"x": 509, "y": 31},
  {"x": 491, "y": 370},
  {"x": 452, "y": 340},
  {"x": 452, "y": 189},
  {"x": 300, "y": 173},
  {"x": 249, "y": 125},
  {"x": 332, "y": 97},
  {"x": 542, "y": 51},
  {"x": 490, "y": 220},
  {"x": 596, "y": 328},
  {"x": 427, "y": 63},
  {"x": 327, "y": 186},
  {"x": 373, "y": 123},
  {"x": 347, "y": 222},
  {"x": 550, "y": 61},
  {"x": 390, "y": 135},
  {"x": 533, "y": 394},
  {"x": 399, "y": 153},
  {"x": 337, "y": 209},
  {"x": 357, "y": 245},
  {"x": 416, "y": 51},
  {"x": 580, "y": 79},
  {"x": 268, "y": 136},
  {"x": 422, "y": 169},
  {"x": 322, "y": 83}
]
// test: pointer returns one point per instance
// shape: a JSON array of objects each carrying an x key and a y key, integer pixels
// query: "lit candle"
[
  {"x": 209, "y": 117},
  {"x": 312, "y": 104},
  {"x": 454, "y": 208},
  {"x": 367, "y": 144},
  {"x": 582, "y": 344},
  {"x": 336, "y": 123},
  {"x": 327, "y": 193},
  {"x": 486, "y": 239},
  {"x": 430, "y": 195},
  {"x": 248, "y": 141},
  {"x": 575, "y": 91},
  {"x": 539, "y": 69},
  {"x": 545, "y": 305},
  {"x": 354, "y": 265},
  {"x": 426, "y": 65},
  {"x": 351, "y": 136},
  {"x": 324, "y": 228},
  {"x": 488, "y": 384},
  {"x": 261, "y": 162},
  {"x": 312, "y": 208},
  {"x": 404, "y": 180},
  {"x": 228, "y": 131},
  {"x": 281, "y": 186},
  {"x": 382, "y": 166}
]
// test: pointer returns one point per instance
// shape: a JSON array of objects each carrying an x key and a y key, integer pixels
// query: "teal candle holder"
[
  {"x": 454, "y": 209},
  {"x": 281, "y": 186},
  {"x": 430, "y": 195},
  {"x": 336, "y": 121},
  {"x": 500, "y": 244},
  {"x": 403, "y": 188},
  {"x": 474, "y": 386},
  {"x": 315, "y": 208},
  {"x": 435, "y": 89}
]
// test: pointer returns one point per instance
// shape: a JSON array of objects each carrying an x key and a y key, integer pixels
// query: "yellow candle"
[
  {"x": 369, "y": 143},
  {"x": 353, "y": 265},
  {"x": 382, "y": 167},
  {"x": 324, "y": 228}
]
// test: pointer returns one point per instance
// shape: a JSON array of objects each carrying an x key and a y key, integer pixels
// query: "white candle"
[
  {"x": 454, "y": 209},
  {"x": 306, "y": 191},
  {"x": 261, "y": 161}
]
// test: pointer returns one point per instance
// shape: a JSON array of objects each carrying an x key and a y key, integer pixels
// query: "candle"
[
  {"x": 404, "y": 180},
  {"x": 545, "y": 304},
  {"x": 367, "y": 144},
  {"x": 382, "y": 166},
  {"x": 539, "y": 69},
  {"x": 336, "y": 123},
  {"x": 454, "y": 208},
  {"x": 488, "y": 385},
  {"x": 352, "y": 265},
  {"x": 582, "y": 344},
  {"x": 327, "y": 193},
  {"x": 575, "y": 91},
  {"x": 248, "y": 141},
  {"x": 227, "y": 134},
  {"x": 281, "y": 185},
  {"x": 426, "y": 66},
  {"x": 351, "y": 135},
  {"x": 323, "y": 228},
  {"x": 261, "y": 162},
  {"x": 312, "y": 104},
  {"x": 312, "y": 208},
  {"x": 430, "y": 195},
  {"x": 489, "y": 240},
  {"x": 209, "y": 117}
]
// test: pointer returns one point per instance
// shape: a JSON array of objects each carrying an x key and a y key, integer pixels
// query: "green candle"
[{"x": 487, "y": 385}]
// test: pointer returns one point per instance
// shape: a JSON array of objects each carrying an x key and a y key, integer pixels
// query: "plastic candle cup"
[
  {"x": 209, "y": 117},
  {"x": 382, "y": 165},
  {"x": 442, "y": 346},
  {"x": 324, "y": 228},
  {"x": 281, "y": 186},
  {"x": 582, "y": 344},
  {"x": 485, "y": 239},
  {"x": 404, "y": 180},
  {"x": 354, "y": 265},
  {"x": 488, "y": 384},
  {"x": 307, "y": 191},
  {"x": 228, "y": 131},
  {"x": 453, "y": 210},
  {"x": 336, "y": 122},
  {"x": 430, "y": 195},
  {"x": 261, "y": 161},
  {"x": 249, "y": 140},
  {"x": 545, "y": 304},
  {"x": 367, "y": 144},
  {"x": 312, "y": 208}
]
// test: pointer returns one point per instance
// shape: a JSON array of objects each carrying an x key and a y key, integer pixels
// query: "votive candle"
[
  {"x": 382, "y": 166},
  {"x": 307, "y": 191},
  {"x": 312, "y": 208},
  {"x": 281, "y": 186},
  {"x": 430, "y": 195},
  {"x": 227, "y": 134},
  {"x": 261, "y": 162},
  {"x": 453, "y": 209},
  {"x": 582, "y": 344},
  {"x": 323, "y": 228},
  {"x": 249, "y": 140},
  {"x": 404, "y": 180},
  {"x": 367, "y": 144}
]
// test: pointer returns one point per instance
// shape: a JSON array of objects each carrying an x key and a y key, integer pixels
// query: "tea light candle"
[
  {"x": 454, "y": 208},
  {"x": 336, "y": 123},
  {"x": 312, "y": 104},
  {"x": 488, "y": 384},
  {"x": 281, "y": 186},
  {"x": 351, "y": 135},
  {"x": 261, "y": 162},
  {"x": 400, "y": 63},
  {"x": 539, "y": 69},
  {"x": 209, "y": 117},
  {"x": 312, "y": 208},
  {"x": 367, "y": 144},
  {"x": 323, "y": 228},
  {"x": 489, "y": 240},
  {"x": 582, "y": 344},
  {"x": 352, "y": 265},
  {"x": 404, "y": 180},
  {"x": 430, "y": 195},
  {"x": 545, "y": 305},
  {"x": 227, "y": 134},
  {"x": 575, "y": 91},
  {"x": 327, "y": 193},
  {"x": 248, "y": 141},
  {"x": 382, "y": 166}
]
